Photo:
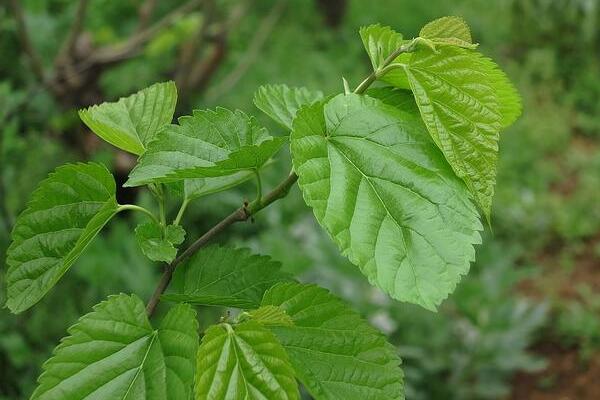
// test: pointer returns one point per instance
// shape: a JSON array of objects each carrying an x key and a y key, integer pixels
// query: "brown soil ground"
[{"x": 566, "y": 376}]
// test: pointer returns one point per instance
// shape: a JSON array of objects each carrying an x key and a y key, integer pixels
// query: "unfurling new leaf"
[{"x": 159, "y": 244}]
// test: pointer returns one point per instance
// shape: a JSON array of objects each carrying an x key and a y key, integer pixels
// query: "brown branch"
[
  {"x": 256, "y": 43},
  {"x": 238, "y": 215},
  {"x": 145, "y": 14},
  {"x": 189, "y": 50},
  {"x": 23, "y": 35},
  {"x": 66, "y": 50}
]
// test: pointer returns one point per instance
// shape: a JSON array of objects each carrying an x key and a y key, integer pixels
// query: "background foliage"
[{"x": 526, "y": 319}]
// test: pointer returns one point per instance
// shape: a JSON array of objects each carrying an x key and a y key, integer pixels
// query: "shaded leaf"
[
  {"x": 65, "y": 213},
  {"x": 385, "y": 194},
  {"x": 158, "y": 244},
  {"x": 335, "y": 353},
  {"x": 220, "y": 141},
  {"x": 281, "y": 102},
  {"x": 224, "y": 276},
  {"x": 132, "y": 122},
  {"x": 246, "y": 363},
  {"x": 114, "y": 353}
]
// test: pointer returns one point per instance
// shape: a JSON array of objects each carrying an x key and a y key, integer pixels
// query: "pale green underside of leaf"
[
  {"x": 460, "y": 106},
  {"x": 65, "y": 213},
  {"x": 385, "y": 194},
  {"x": 220, "y": 142},
  {"x": 335, "y": 353},
  {"x": 156, "y": 244},
  {"x": 224, "y": 276},
  {"x": 379, "y": 41},
  {"x": 132, "y": 122},
  {"x": 281, "y": 102},
  {"x": 243, "y": 363},
  {"x": 448, "y": 31},
  {"x": 114, "y": 353}
]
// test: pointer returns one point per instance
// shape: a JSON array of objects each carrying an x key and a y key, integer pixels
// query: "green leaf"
[
  {"x": 224, "y": 276},
  {"x": 335, "y": 353},
  {"x": 385, "y": 194},
  {"x": 114, "y": 353},
  {"x": 209, "y": 143},
  {"x": 448, "y": 31},
  {"x": 281, "y": 102},
  {"x": 65, "y": 213},
  {"x": 271, "y": 315},
  {"x": 132, "y": 122},
  {"x": 460, "y": 107},
  {"x": 398, "y": 98},
  {"x": 158, "y": 244},
  {"x": 508, "y": 97},
  {"x": 244, "y": 362},
  {"x": 380, "y": 42}
]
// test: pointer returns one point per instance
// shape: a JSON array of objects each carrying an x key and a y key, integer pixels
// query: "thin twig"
[
  {"x": 238, "y": 215},
  {"x": 32, "y": 54}
]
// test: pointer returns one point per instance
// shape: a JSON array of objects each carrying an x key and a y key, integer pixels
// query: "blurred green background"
[{"x": 525, "y": 323}]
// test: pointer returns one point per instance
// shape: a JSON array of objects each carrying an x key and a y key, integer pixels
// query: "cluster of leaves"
[{"x": 393, "y": 174}]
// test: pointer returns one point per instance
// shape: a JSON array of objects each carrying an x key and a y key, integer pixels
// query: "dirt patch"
[
  {"x": 559, "y": 282},
  {"x": 566, "y": 377}
]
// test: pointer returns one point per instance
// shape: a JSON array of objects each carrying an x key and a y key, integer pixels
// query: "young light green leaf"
[
  {"x": 243, "y": 363},
  {"x": 460, "y": 107},
  {"x": 271, "y": 315},
  {"x": 224, "y": 276},
  {"x": 132, "y": 122},
  {"x": 508, "y": 97},
  {"x": 65, "y": 213},
  {"x": 220, "y": 141},
  {"x": 385, "y": 194},
  {"x": 380, "y": 42},
  {"x": 114, "y": 353},
  {"x": 158, "y": 244},
  {"x": 448, "y": 31},
  {"x": 281, "y": 102},
  {"x": 335, "y": 354}
]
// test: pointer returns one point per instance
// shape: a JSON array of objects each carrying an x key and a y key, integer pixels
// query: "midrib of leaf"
[
  {"x": 401, "y": 227},
  {"x": 153, "y": 336}
]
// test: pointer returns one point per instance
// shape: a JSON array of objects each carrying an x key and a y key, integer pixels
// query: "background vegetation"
[{"x": 525, "y": 323}]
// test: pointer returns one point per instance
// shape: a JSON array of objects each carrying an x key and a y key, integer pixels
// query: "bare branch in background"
[
  {"x": 23, "y": 34},
  {"x": 189, "y": 50},
  {"x": 145, "y": 14},
  {"x": 76, "y": 27},
  {"x": 260, "y": 37}
]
